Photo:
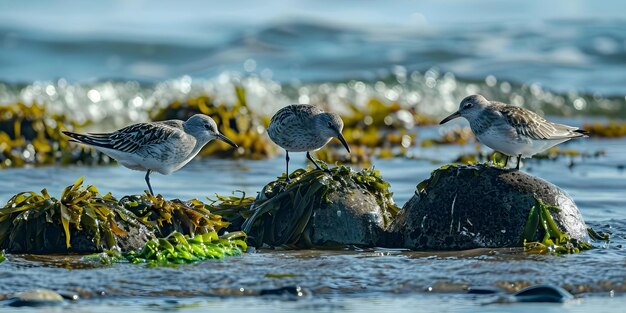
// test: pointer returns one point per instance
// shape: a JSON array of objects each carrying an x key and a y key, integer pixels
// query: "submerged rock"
[
  {"x": 466, "y": 207},
  {"x": 320, "y": 209},
  {"x": 543, "y": 293},
  {"x": 36, "y": 297}
]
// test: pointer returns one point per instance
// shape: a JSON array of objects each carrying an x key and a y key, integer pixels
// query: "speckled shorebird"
[
  {"x": 512, "y": 130},
  {"x": 303, "y": 127},
  {"x": 162, "y": 147}
]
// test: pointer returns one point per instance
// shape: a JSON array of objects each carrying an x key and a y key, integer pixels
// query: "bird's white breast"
[{"x": 505, "y": 139}]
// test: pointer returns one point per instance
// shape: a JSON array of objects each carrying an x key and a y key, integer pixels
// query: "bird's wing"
[
  {"x": 531, "y": 125},
  {"x": 131, "y": 138},
  {"x": 295, "y": 114}
]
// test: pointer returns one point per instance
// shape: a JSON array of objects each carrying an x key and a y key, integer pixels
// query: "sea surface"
[{"x": 113, "y": 62}]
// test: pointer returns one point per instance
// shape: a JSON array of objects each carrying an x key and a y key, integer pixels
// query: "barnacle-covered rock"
[
  {"x": 320, "y": 209},
  {"x": 466, "y": 207},
  {"x": 236, "y": 121}
]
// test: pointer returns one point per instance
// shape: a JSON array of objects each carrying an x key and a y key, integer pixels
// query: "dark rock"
[
  {"x": 50, "y": 238},
  {"x": 543, "y": 293},
  {"x": 484, "y": 290},
  {"x": 466, "y": 207},
  {"x": 350, "y": 217},
  {"x": 319, "y": 209},
  {"x": 36, "y": 297},
  {"x": 295, "y": 291}
]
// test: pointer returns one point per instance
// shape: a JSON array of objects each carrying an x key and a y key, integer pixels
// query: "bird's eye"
[
  {"x": 330, "y": 124},
  {"x": 207, "y": 126},
  {"x": 467, "y": 105}
]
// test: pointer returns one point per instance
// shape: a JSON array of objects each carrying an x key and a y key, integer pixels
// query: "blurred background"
[{"x": 559, "y": 49}]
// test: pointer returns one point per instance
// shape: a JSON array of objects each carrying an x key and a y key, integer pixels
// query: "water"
[{"x": 112, "y": 62}]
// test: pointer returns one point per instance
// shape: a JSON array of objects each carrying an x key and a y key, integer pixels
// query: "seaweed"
[
  {"x": 237, "y": 122},
  {"x": 28, "y": 220},
  {"x": 554, "y": 240},
  {"x": 305, "y": 192},
  {"x": 458, "y": 136},
  {"x": 612, "y": 129},
  {"x": 177, "y": 248},
  {"x": 37, "y": 222},
  {"x": 375, "y": 130},
  {"x": 233, "y": 209},
  {"x": 166, "y": 216},
  {"x": 30, "y": 135}
]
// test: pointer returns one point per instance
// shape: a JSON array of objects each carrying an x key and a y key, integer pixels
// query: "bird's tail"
[
  {"x": 582, "y": 132},
  {"x": 86, "y": 139}
]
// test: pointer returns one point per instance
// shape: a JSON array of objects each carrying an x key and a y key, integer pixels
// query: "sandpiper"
[
  {"x": 303, "y": 127},
  {"x": 512, "y": 130},
  {"x": 162, "y": 147}
]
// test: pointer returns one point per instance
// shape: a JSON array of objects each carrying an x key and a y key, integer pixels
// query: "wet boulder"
[
  {"x": 322, "y": 209},
  {"x": 477, "y": 206}
]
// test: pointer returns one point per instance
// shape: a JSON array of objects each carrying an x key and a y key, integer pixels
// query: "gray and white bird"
[
  {"x": 303, "y": 127},
  {"x": 512, "y": 130},
  {"x": 162, "y": 147}
]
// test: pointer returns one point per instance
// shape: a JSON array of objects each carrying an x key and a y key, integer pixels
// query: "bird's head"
[
  {"x": 470, "y": 108},
  {"x": 204, "y": 128},
  {"x": 331, "y": 125}
]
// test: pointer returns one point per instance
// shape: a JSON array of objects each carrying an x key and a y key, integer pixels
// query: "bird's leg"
[
  {"x": 308, "y": 156},
  {"x": 148, "y": 181},
  {"x": 519, "y": 159},
  {"x": 287, "y": 168}
]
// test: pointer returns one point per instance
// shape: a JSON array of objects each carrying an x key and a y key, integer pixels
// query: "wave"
[
  {"x": 581, "y": 55},
  {"x": 109, "y": 104}
]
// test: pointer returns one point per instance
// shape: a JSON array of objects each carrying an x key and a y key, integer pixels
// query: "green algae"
[
  {"x": 553, "y": 240},
  {"x": 177, "y": 248},
  {"x": 306, "y": 191}
]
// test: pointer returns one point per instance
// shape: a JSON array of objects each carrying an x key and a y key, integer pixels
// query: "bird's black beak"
[
  {"x": 343, "y": 141},
  {"x": 226, "y": 140},
  {"x": 451, "y": 117}
]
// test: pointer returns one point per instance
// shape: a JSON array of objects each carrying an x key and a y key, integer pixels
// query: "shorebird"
[
  {"x": 162, "y": 147},
  {"x": 303, "y": 127},
  {"x": 512, "y": 130}
]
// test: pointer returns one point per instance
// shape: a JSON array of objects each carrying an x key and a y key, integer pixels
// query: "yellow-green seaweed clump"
[
  {"x": 457, "y": 136},
  {"x": 167, "y": 216},
  {"x": 31, "y": 135},
  {"x": 83, "y": 220},
  {"x": 612, "y": 129},
  {"x": 236, "y": 121},
  {"x": 29, "y": 221},
  {"x": 377, "y": 130},
  {"x": 554, "y": 240}
]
